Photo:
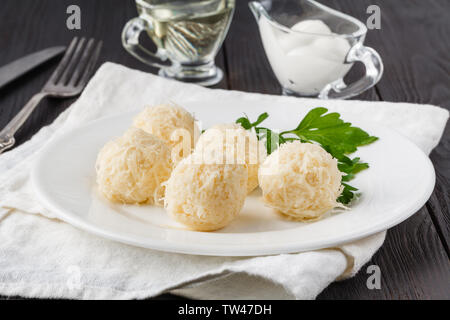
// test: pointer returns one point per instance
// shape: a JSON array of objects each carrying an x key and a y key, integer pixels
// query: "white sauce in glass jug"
[{"x": 307, "y": 60}]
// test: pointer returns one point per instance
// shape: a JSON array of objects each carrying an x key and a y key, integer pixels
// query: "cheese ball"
[
  {"x": 231, "y": 143},
  {"x": 132, "y": 168},
  {"x": 300, "y": 180},
  {"x": 205, "y": 197},
  {"x": 171, "y": 123}
]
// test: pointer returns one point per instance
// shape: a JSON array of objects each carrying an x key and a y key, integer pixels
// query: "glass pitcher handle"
[
  {"x": 130, "y": 41},
  {"x": 374, "y": 70}
]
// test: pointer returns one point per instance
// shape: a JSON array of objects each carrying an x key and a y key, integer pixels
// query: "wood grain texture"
[
  {"x": 412, "y": 263},
  {"x": 413, "y": 42},
  {"x": 418, "y": 238},
  {"x": 21, "y": 32},
  {"x": 248, "y": 67},
  {"x": 417, "y": 70},
  {"x": 439, "y": 203}
]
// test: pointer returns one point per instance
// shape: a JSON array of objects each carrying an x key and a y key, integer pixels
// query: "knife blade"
[{"x": 25, "y": 64}]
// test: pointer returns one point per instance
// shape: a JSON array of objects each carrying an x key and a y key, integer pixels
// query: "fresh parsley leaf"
[
  {"x": 353, "y": 169},
  {"x": 347, "y": 194},
  {"x": 337, "y": 137},
  {"x": 346, "y": 165},
  {"x": 260, "y": 119},
  {"x": 271, "y": 138},
  {"x": 330, "y": 130},
  {"x": 244, "y": 122}
]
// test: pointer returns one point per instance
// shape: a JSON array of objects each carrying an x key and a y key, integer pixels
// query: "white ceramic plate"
[{"x": 399, "y": 181}]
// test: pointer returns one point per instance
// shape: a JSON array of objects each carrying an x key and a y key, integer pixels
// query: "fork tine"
[
  {"x": 62, "y": 65},
  {"x": 72, "y": 63},
  {"x": 91, "y": 65},
  {"x": 83, "y": 63}
]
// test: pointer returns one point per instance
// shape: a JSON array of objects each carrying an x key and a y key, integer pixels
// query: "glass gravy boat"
[{"x": 311, "y": 48}]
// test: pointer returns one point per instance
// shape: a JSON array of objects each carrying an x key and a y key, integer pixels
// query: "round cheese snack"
[
  {"x": 300, "y": 180},
  {"x": 171, "y": 123},
  {"x": 132, "y": 168},
  {"x": 205, "y": 197},
  {"x": 231, "y": 143}
]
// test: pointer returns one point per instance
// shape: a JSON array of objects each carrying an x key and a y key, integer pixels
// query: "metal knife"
[{"x": 21, "y": 66}]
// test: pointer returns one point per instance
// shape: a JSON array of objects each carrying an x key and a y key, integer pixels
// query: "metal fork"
[{"x": 68, "y": 80}]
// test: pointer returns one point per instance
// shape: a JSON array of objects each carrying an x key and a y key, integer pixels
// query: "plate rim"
[{"x": 66, "y": 215}]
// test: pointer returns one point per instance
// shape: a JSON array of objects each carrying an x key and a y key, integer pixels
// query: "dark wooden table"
[{"x": 413, "y": 40}]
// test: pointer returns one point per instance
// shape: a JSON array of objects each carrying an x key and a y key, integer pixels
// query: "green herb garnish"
[{"x": 337, "y": 137}]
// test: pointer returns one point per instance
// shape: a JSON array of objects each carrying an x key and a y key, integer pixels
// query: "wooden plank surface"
[
  {"x": 22, "y": 32},
  {"x": 413, "y": 41},
  {"x": 415, "y": 71},
  {"x": 248, "y": 68},
  {"x": 418, "y": 71},
  {"x": 403, "y": 273}
]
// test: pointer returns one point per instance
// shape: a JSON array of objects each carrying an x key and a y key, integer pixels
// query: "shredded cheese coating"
[
  {"x": 231, "y": 143},
  {"x": 171, "y": 123},
  {"x": 205, "y": 197},
  {"x": 132, "y": 168},
  {"x": 300, "y": 180}
]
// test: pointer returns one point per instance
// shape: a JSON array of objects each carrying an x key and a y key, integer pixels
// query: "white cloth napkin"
[{"x": 41, "y": 256}]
